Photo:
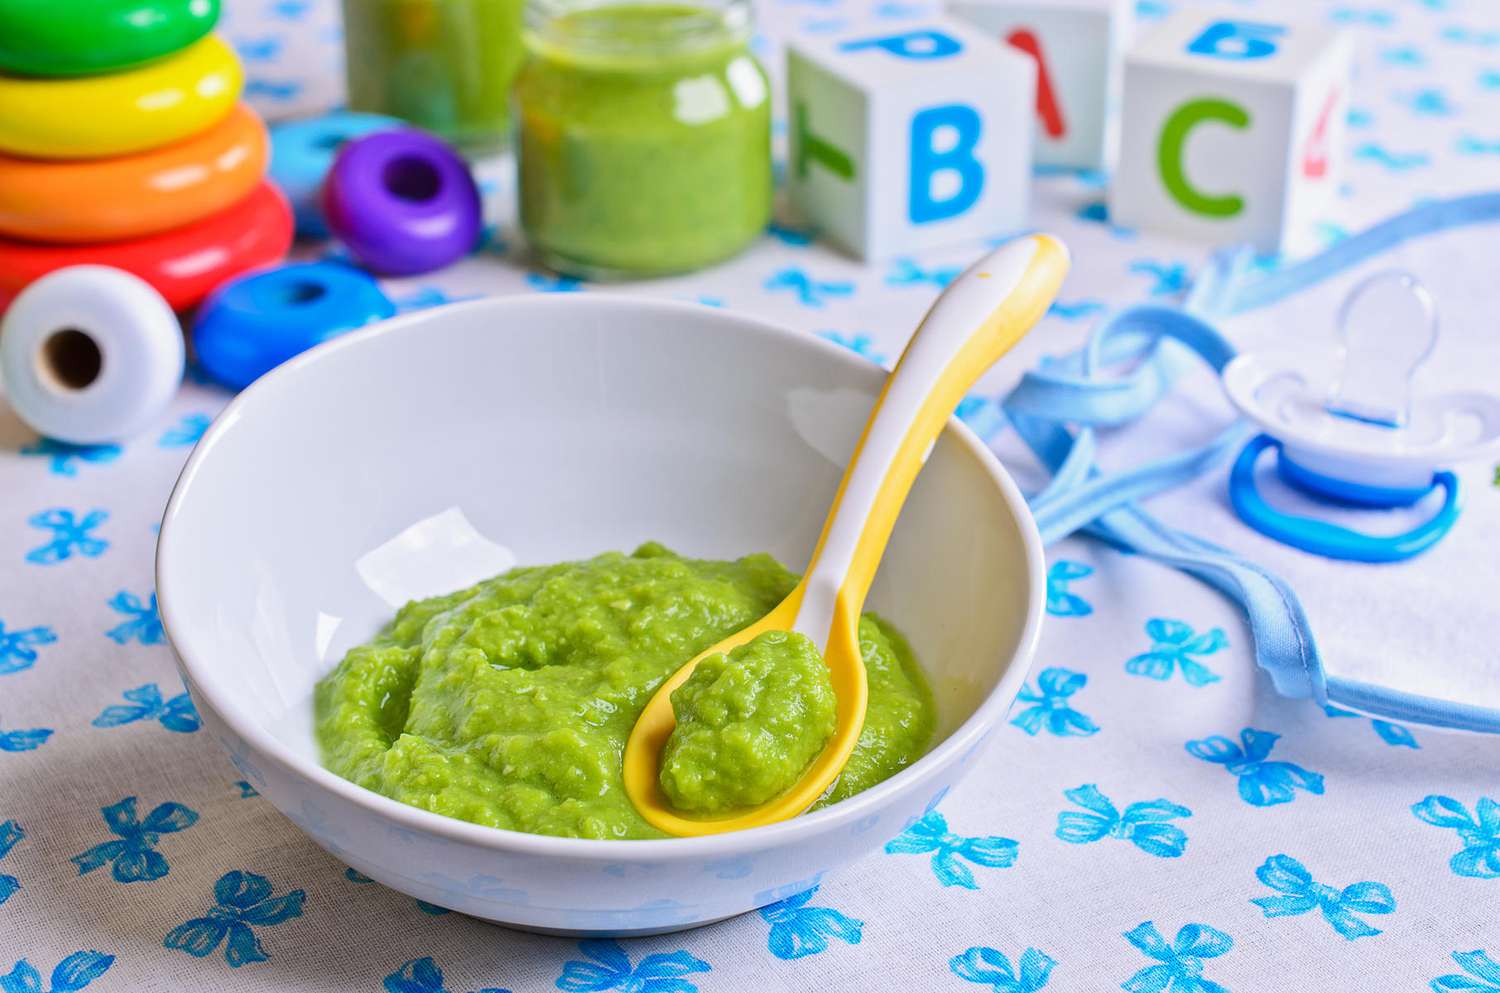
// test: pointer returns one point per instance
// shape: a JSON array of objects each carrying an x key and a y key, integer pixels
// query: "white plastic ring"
[{"x": 90, "y": 354}]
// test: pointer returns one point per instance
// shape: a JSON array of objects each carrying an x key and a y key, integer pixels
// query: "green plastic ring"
[{"x": 84, "y": 37}]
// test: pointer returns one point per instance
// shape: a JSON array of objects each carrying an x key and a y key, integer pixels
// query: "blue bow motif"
[
  {"x": 1075, "y": 310},
  {"x": 241, "y": 899},
  {"x": 609, "y": 968},
  {"x": 989, "y": 967},
  {"x": 798, "y": 930},
  {"x": 1143, "y": 824},
  {"x": 132, "y": 855},
  {"x": 146, "y": 704},
  {"x": 1061, "y": 601},
  {"x": 857, "y": 342},
  {"x": 10, "y": 835},
  {"x": 423, "y": 976},
  {"x": 1483, "y": 975},
  {"x": 1173, "y": 645},
  {"x": 905, "y": 272},
  {"x": 810, "y": 292},
  {"x": 1392, "y": 734},
  {"x": 1261, "y": 782},
  {"x": 931, "y": 834},
  {"x": 18, "y": 648},
  {"x": 187, "y": 431},
  {"x": 1170, "y": 277},
  {"x": 1051, "y": 706},
  {"x": 70, "y": 534},
  {"x": 1302, "y": 894},
  {"x": 143, "y": 623},
  {"x": 1468, "y": 144},
  {"x": 1480, "y": 832},
  {"x": 1181, "y": 968},
  {"x": 23, "y": 739},
  {"x": 71, "y": 974},
  {"x": 63, "y": 457},
  {"x": 1394, "y": 161}
]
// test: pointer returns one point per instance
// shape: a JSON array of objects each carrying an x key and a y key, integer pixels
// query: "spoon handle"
[{"x": 976, "y": 320}]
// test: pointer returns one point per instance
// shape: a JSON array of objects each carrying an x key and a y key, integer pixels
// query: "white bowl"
[{"x": 417, "y": 456}]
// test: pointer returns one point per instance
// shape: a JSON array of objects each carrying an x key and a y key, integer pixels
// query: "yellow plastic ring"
[{"x": 98, "y": 116}]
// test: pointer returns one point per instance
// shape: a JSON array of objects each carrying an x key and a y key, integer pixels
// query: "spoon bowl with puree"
[{"x": 760, "y": 696}]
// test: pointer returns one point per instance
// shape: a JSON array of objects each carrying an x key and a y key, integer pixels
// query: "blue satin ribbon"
[{"x": 1057, "y": 407}]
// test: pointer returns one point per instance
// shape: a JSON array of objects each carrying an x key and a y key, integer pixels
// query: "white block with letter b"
[
  {"x": 909, "y": 137},
  {"x": 1233, "y": 130},
  {"x": 1079, "y": 48}
]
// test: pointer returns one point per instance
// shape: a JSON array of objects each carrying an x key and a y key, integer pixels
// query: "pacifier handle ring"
[{"x": 1333, "y": 541}]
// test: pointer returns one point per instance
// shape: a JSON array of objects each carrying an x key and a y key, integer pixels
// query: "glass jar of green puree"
[
  {"x": 444, "y": 65},
  {"x": 644, "y": 135}
]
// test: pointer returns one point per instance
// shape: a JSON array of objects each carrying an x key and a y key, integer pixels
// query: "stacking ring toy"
[
  {"x": 184, "y": 264},
  {"x": 98, "y": 116},
  {"x": 302, "y": 153},
  {"x": 403, "y": 202},
  {"x": 90, "y": 355},
  {"x": 45, "y": 39},
  {"x": 251, "y": 325},
  {"x": 134, "y": 195}
]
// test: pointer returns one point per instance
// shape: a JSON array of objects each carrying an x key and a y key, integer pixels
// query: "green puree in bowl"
[
  {"x": 645, "y": 140},
  {"x": 509, "y": 703}
]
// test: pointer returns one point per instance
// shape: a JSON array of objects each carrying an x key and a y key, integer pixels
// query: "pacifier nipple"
[{"x": 1388, "y": 328}]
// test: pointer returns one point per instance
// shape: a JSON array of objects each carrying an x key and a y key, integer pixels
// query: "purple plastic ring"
[{"x": 403, "y": 202}]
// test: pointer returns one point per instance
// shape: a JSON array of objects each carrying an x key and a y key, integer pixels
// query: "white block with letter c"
[
  {"x": 909, "y": 137},
  {"x": 1233, "y": 130}
]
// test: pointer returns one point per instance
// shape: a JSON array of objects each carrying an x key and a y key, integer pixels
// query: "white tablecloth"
[{"x": 1154, "y": 816}]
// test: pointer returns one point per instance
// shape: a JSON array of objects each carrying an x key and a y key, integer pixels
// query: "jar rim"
[{"x": 699, "y": 24}]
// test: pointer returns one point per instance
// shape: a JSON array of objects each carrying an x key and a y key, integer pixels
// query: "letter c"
[{"x": 1169, "y": 149}]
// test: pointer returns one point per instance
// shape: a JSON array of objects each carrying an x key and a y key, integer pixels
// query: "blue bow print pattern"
[
  {"x": 1392, "y": 734},
  {"x": 1173, "y": 646},
  {"x": 1468, "y": 144},
  {"x": 71, "y": 974},
  {"x": 10, "y": 836},
  {"x": 70, "y": 535},
  {"x": 1290, "y": 877},
  {"x": 23, "y": 739},
  {"x": 1483, "y": 975},
  {"x": 247, "y": 791},
  {"x": 609, "y": 968},
  {"x": 1480, "y": 832},
  {"x": 1076, "y": 311},
  {"x": 188, "y": 431},
  {"x": 1261, "y": 783},
  {"x": 857, "y": 342},
  {"x": 548, "y": 283},
  {"x": 1062, "y": 602},
  {"x": 64, "y": 458},
  {"x": 1356, "y": 15},
  {"x": 1051, "y": 707},
  {"x": 1170, "y": 277},
  {"x": 905, "y": 272},
  {"x": 143, "y": 624},
  {"x": 788, "y": 235},
  {"x": 810, "y": 292},
  {"x": 241, "y": 899},
  {"x": 798, "y": 930},
  {"x": 989, "y": 967},
  {"x": 18, "y": 648},
  {"x": 423, "y": 976},
  {"x": 931, "y": 834},
  {"x": 1393, "y": 161},
  {"x": 146, "y": 704},
  {"x": 1181, "y": 968},
  {"x": 132, "y": 856},
  {"x": 1143, "y": 824}
]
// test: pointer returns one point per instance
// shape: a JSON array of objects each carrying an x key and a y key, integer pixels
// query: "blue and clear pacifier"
[{"x": 1348, "y": 428}]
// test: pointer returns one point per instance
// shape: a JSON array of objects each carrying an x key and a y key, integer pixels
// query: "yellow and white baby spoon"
[{"x": 975, "y": 321}]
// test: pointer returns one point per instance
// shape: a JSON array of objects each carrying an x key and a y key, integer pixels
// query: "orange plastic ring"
[{"x": 91, "y": 200}]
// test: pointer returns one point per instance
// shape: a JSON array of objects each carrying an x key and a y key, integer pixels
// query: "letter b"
[
  {"x": 927, "y": 162},
  {"x": 924, "y": 44},
  {"x": 1237, "y": 41}
]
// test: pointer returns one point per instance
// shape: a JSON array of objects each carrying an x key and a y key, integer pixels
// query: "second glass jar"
[{"x": 644, "y": 136}]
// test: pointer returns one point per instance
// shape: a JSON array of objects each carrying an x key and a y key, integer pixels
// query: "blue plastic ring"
[
  {"x": 302, "y": 152},
  {"x": 1331, "y": 540}
]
